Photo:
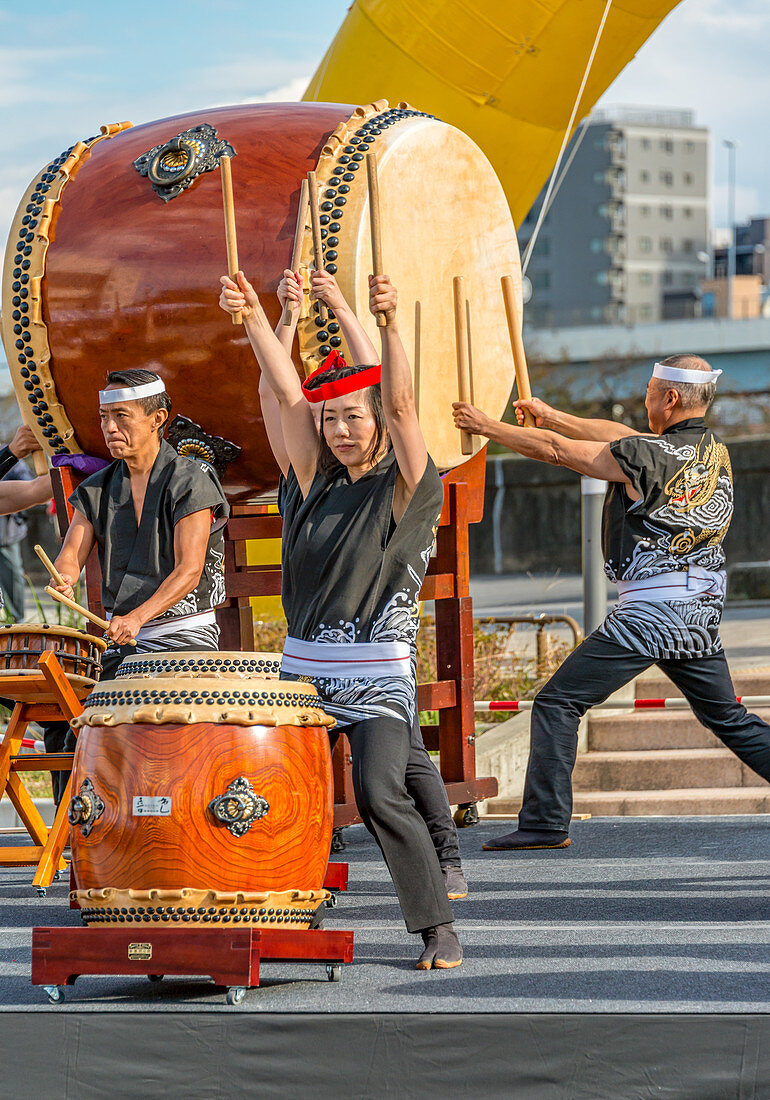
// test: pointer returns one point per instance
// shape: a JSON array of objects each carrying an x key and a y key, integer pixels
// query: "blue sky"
[{"x": 72, "y": 65}]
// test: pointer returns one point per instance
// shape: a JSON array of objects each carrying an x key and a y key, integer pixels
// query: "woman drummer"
[{"x": 360, "y": 511}]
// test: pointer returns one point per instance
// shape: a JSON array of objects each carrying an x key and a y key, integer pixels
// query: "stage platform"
[
  {"x": 634, "y": 964},
  {"x": 639, "y": 915}
]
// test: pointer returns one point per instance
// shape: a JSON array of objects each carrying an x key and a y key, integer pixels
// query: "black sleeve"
[
  {"x": 197, "y": 491},
  {"x": 7, "y": 461},
  {"x": 639, "y": 460}
]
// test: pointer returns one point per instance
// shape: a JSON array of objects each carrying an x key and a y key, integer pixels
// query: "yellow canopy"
[{"x": 505, "y": 71}]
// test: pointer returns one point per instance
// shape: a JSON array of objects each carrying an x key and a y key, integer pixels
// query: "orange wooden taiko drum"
[{"x": 201, "y": 800}]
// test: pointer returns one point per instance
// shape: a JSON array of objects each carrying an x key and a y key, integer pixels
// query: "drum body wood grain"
[{"x": 191, "y": 765}]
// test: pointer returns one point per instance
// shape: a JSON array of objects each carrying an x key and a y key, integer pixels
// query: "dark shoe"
[
  {"x": 442, "y": 948},
  {"x": 456, "y": 886},
  {"x": 522, "y": 840}
]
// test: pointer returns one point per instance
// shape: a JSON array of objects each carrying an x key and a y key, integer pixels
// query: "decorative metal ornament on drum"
[
  {"x": 201, "y": 801},
  {"x": 106, "y": 265}
]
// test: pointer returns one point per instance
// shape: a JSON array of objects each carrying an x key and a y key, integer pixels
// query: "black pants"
[
  {"x": 380, "y": 750},
  {"x": 58, "y": 737},
  {"x": 589, "y": 675},
  {"x": 426, "y": 788}
]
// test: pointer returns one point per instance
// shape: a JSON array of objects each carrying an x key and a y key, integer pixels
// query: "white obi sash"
[
  {"x": 683, "y": 585},
  {"x": 349, "y": 661}
]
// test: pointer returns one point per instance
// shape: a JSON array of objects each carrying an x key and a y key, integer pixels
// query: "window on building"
[
  {"x": 601, "y": 277},
  {"x": 597, "y": 244},
  {"x": 543, "y": 246},
  {"x": 645, "y": 244},
  {"x": 596, "y": 313},
  {"x": 667, "y": 212},
  {"x": 644, "y": 176},
  {"x": 666, "y": 244},
  {"x": 688, "y": 146},
  {"x": 645, "y": 143},
  {"x": 541, "y": 280},
  {"x": 688, "y": 179},
  {"x": 667, "y": 145},
  {"x": 666, "y": 178},
  {"x": 644, "y": 211},
  {"x": 688, "y": 245},
  {"x": 687, "y": 211},
  {"x": 687, "y": 279},
  {"x": 666, "y": 278},
  {"x": 645, "y": 313},
  {"x": 645, "y": 278}
]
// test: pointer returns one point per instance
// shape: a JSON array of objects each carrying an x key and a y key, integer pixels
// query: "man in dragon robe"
[{"x": 668, "y": 506}]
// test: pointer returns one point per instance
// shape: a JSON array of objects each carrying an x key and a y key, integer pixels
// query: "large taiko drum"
[
  {"x": 201, "y": 801},
  {"x": 117, "y": 246}
]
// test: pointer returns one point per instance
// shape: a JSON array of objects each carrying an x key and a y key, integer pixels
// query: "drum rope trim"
[
  {"x": 24, "y": 330},
  {"x": 343, "y": 154}
]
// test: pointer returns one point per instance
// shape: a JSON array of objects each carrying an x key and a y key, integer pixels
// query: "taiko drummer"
[
  {"x": 361, "y": 507},
  {"x": 156, "y": 519}
]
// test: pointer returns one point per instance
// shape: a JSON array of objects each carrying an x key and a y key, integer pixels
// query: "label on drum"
[
  {"x": 140, "y": 952},
  {"x": 146, "y": 805}
]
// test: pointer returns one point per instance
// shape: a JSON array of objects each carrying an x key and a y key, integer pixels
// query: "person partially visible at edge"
[
  {"x": 157, "y": 521},
  {"x": 361, "y": 505},
  {"x": 668, "y": 506},
  {"x": 13, "y": 528},
  {"x": 423, "y": 779}
]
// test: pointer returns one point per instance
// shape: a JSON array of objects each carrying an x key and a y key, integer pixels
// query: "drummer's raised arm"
[
  {"x": 361, "y": 348},
  {"x": 299, "y": 431},
  {"x": 397, "y": 390}
]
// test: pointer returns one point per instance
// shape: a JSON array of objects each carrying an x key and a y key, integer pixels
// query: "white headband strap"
[
  {"x": 134, "y": 393},
  {"x": 676, "y": 374}
]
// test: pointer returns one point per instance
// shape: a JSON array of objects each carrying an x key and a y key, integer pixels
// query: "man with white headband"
[
  {"x": 669, "y": 503},
  {"x": 156, "y": 519}
]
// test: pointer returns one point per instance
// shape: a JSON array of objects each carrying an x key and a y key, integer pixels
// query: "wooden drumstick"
[
  {"x": 230, "y": 238},
  {"x": 49, "y": 565},
  {"x": 315, "y": 224},
  {"x": 375, "y": 224},
  {"x": 517, "y": 347},
  {"x": 81, "y": 610},
  {"x": 463, "y": 360},
  {"x": 296, "y": 252}
]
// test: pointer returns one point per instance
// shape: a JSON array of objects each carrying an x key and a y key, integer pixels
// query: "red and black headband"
[{"x": 369, "y": 376}]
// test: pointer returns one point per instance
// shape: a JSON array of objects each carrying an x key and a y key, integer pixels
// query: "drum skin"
[
  {"x": 286, "y": 849},
  {"x": 102, "y": 273}
]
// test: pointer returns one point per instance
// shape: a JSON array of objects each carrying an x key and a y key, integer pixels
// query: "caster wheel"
[
  {"x": 57, "y": 876},
  {"x": 236, "y": 994},
  {"x": 331, "y": 903},
  {"x": 155, "y": 977},
  {"x": 54, "y": 994},
  {"x": 334, "y": 972},
  {"x": 466, "y": 816},
  {"x": 338, "y": 841},
  {"x": 41, "y": 893}
]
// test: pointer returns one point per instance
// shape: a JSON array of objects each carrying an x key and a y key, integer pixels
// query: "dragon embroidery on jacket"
[{"x": 699, "y": 497}]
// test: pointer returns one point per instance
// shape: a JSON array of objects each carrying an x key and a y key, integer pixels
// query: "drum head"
[{"x": 443, "y": 214}]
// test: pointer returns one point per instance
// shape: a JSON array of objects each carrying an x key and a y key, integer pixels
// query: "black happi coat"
[
  {"x": 686, "y": 503},
  {"x": 351, "y": 575},
  {"x": 136, "y": 560}
]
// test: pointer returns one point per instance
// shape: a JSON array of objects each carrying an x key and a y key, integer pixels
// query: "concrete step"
[
  {"x": 654, "y": 684},
  {"x": 701, "y": 801},
  {"x": 660, "y": 729},
  {"x": 661, "y": 769},
  {"x": 697, "y": 801}
]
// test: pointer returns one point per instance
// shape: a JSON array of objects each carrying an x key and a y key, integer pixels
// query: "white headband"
[
  {"x": 676, "y": 374},
  {"x": 110, "y": 397}
]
